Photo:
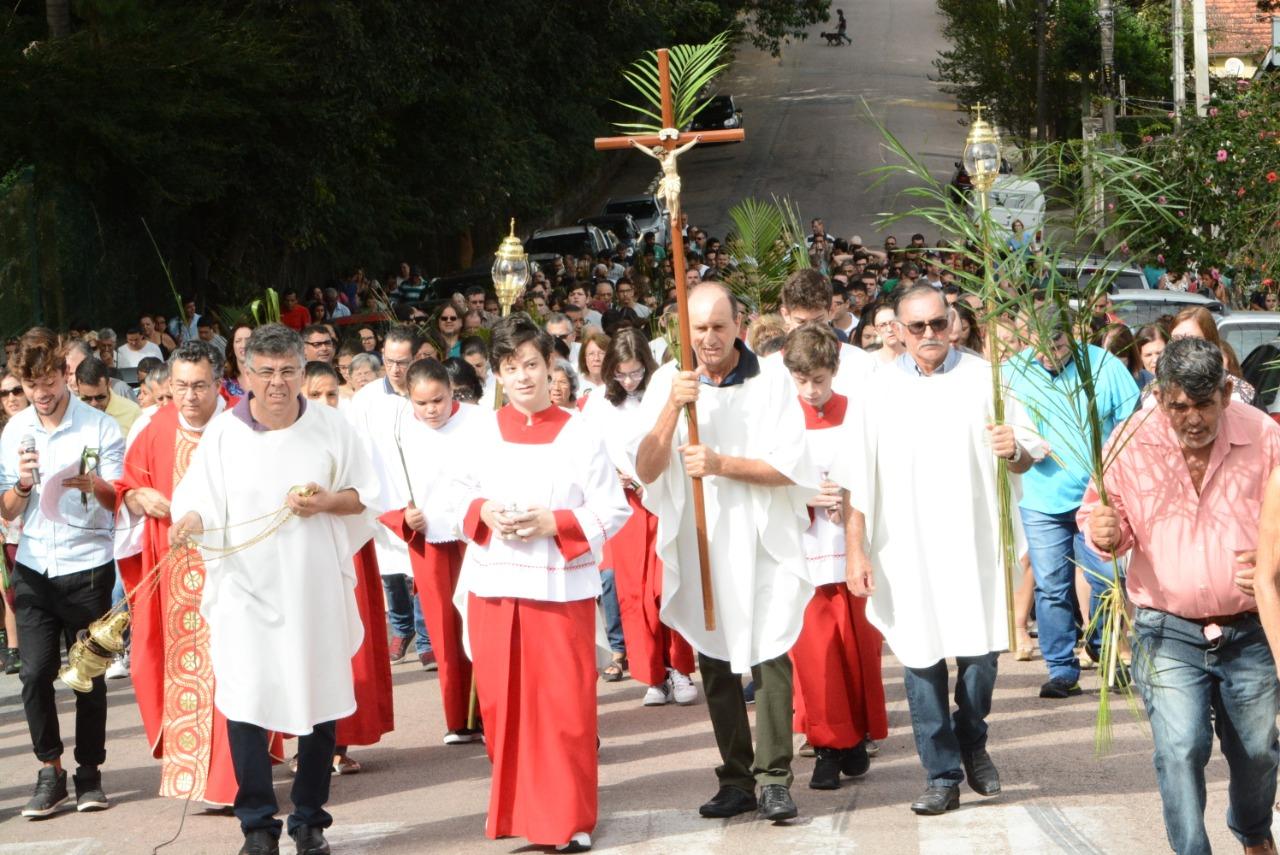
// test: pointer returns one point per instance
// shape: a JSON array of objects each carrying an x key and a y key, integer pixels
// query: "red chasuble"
[
  {"x": 172, "y": 674},
  {"x": 838, "y": 689},
  {"x": 371, "y": 666}
]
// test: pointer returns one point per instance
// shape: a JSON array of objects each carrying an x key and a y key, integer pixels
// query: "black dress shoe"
[
  {"x": 855, "y": 761},
  {"x": 826, "y": 769},
  {"x": 776, "y": 804},
  {"x": 981, "y": 773},
  {"x": 730, "y": 801},
  {"x": 260, "y": 842},
  {"x": 310, "y": 840},
  {"x": 936, "y": 800}
]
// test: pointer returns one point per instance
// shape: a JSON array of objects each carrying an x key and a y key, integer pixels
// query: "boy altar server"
[{"x": 539, "y": 503}]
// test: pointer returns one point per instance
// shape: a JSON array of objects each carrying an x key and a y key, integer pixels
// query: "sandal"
[
  {"x": 344, "y": 765},
  {"x": 613, "y": 671}
]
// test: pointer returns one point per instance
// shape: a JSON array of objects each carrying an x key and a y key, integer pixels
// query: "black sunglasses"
[
  {"x": 14, "y": 392},
  {"x": 938, "y": 325}
]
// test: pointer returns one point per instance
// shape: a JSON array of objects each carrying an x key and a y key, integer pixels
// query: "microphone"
[{"x": 28, "y": 447}]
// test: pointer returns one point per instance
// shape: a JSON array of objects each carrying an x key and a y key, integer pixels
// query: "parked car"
[
  {"x": 647, "y": 212},
  {"x": 1247, "y": 331},
  {"x": 1088, "y": 273},
  {"x": 622, "y": 226},
  {"x": 1139, "y": 308},
  {"x": 720, "y": 113},
  {"x": 569, "y": 240}
]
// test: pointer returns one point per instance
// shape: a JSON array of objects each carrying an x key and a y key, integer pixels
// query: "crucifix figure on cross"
[{"x": 665, "y": 147}]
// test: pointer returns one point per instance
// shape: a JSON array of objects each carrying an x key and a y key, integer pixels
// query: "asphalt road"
[{"x": 809, "y": 133}]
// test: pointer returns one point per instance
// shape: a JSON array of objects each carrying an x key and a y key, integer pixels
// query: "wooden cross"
[{"x": 665, "y": 147}]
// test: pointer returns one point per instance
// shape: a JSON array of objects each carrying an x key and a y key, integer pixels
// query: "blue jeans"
[
  {"x": 1182, "y": 677},
  {"x": 1056, "y": 545},
  {"x": 404, "y": 612},
  {"x": 612, "y": 614},
  {"x": 943, "y": 737}
]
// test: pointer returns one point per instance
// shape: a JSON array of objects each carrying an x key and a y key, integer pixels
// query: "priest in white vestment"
[
  {"x": 752, "y": 436},
  {"x": 923, "y": 537},
  {"x": 275, "y": 496}
]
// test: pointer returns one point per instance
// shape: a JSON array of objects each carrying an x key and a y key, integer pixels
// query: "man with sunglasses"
[
  {"x": 933, "y": 570},
  {"x": 94, "y": 384}
]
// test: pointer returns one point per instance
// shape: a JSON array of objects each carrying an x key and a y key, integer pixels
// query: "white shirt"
[
  {"x": 127, "y": 357},
  {"x": 55, "y": 549}
]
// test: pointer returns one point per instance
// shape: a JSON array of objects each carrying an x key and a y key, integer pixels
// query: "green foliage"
[
  {"x": 768, "y": 242},
  {"x": 1227, "y": 166},
  {"x": 691, "y": 69},
  {"x": 993, "y": 57},
  {"x": 269, "y": 142}
]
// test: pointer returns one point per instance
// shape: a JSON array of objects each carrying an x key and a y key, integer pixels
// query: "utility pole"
[
  {"x": 1200, "y": 48},
  {"x": 1179, "y": 66},
  {"x": 1107, "y": 22},
  {"x": 1042, "y": 50}
]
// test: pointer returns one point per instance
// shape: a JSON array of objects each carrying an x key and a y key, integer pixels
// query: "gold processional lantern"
[
  {"x": 510, "y": 271},
  {"x": 982, "y": 155},
  {"x": 93, "y": 651}
]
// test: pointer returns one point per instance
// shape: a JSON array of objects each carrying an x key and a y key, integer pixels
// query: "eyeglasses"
[
  {"x": 449, "y": 318},
  {"x": 286, "y": 375},
  {"x": 14, "y": 392},
  {"x": 96, "y": 399},
  {"x": 368, "y": 338},
  {"x": 320, "y": 342},
  {"x": 344, "y": 367},
  {"x": 398, "y": 363},
  {"x": 884, "y": 325},
  {"x": 633, "y": 376},
  {"x": 198, "y": 389},
  {"x": 938, "y": 325}
]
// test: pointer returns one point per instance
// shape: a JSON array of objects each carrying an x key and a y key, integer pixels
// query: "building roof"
[{"x": 1237, "y": 28}]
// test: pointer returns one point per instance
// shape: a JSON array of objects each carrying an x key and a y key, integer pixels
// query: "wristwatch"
[{"x": 1017, "y": 453}]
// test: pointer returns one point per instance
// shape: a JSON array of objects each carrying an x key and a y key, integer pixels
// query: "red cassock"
[
  {"x": 171, "y": 671},
  {"x": 371, "y": 665},
  {"x": 435, "y": 574},
  {"x": 839, "y": 692},
  {"x": 652, "y": 646}
]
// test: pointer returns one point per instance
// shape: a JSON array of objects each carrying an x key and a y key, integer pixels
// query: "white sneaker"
[
  {"x": 682, "y": 687},
  {"x": 119, "y": 668},
  {"x": 580, "y": 842},
  {"x": 659, "y": 695}
]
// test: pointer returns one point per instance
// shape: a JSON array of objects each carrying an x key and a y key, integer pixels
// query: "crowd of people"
[{"x": 414, "y": 469}]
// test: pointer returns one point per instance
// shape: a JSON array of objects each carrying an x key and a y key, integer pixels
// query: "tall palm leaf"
[
  {"x": 768, "y": 246},
  {"x": 692, "y": 68}
]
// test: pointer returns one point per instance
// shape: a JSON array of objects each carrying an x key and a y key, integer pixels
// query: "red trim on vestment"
[
  {"x": 830, "y": 415},
  {"x": 538, "y": 428},
  {"x": 569, "y": 535},
  {"x": 476, "y": 529}
]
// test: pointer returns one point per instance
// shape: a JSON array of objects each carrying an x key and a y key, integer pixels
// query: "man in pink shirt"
[{"x": 1185, "y": 490}]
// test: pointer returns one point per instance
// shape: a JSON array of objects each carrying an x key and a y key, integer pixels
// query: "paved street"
[
  {"x": 808, "y": 136},
  {"x": 417, "y": 795}
]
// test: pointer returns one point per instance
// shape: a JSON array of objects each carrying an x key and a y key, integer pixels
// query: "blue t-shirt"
[{"x": 1057, "y": 406}]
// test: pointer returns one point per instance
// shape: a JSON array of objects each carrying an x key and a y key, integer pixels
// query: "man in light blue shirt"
[
  {"x": 64, "y": 570},
  {"x": 1047, "y": 381}
]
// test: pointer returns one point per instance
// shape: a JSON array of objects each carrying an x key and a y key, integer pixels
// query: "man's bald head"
[{"x": 708, "y": 298}]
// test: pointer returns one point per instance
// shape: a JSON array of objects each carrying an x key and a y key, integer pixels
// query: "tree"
[
  {"x": 269, "y": 142},
  {"x": 993, "y": 57}
]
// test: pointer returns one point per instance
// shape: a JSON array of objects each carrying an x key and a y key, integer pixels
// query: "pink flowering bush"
[{"x": 1227, "y": 198}]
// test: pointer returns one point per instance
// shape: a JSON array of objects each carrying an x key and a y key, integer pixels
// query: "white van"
[{"x": 1013, "y": 198}]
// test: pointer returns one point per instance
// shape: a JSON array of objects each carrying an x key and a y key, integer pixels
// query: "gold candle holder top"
[{"x": 510, "y": 270}]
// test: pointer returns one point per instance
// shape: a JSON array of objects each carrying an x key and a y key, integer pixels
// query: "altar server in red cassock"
[
  {"x": 658, "y": 656},
  {"x": 539, "y": 502},
  {"x": 172, "y": 674},
  {"x": 371, "y": 666},
  {"x": 840, "y": 693},
  {"x": 430, "y": 442}
]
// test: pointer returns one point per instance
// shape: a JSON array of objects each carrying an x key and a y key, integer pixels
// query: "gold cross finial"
[
  {"x": 977, "y": 109},
  {"x": 513, "y": 226}
]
